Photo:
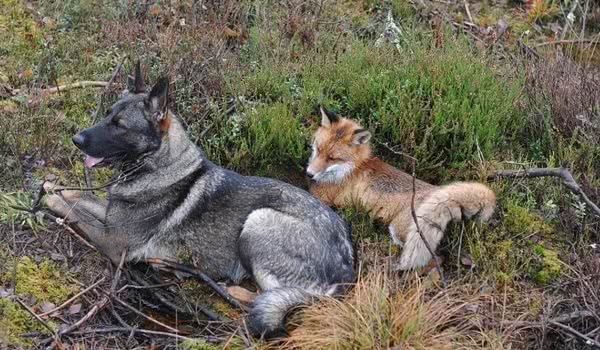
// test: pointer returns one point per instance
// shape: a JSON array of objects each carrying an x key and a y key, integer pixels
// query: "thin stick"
[
  {"x": 588, "y": 340},
  {"x": 413, "y": 211},
  {"x": 138, "y": 312},
  {"x": 566, "y": 41},
  {"x": 468, "y": 11},
  {"x": 57, "y": 220},
  {"x": 117, "y": 276},
  {"x": 38, "y": 318},
  {"x": 133, "y": 330},
  {"x": 561, "y": 172},
  {"x": 93, "y": 311},
  {"x": 79, "y": 84},
  {"x": 414, "y": 216},
  {"x": 86, "y": 171},
  {"x": 73, "y": 298},
  {"x": 106, "y": 89},
  {"x": 197, "y": 273},
  {"x": 204, "y": 308}
]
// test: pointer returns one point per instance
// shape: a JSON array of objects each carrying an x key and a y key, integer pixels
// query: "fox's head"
[{"x": 340, "y": 145}]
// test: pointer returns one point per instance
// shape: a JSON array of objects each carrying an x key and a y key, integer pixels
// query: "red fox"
[{"x": 344, "y": 173}]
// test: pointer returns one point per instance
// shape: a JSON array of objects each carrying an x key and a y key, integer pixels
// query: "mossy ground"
[{"x": 462, "y": 109}]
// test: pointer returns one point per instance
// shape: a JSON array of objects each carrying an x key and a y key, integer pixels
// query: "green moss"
[
  {"x": 45, "y": 281},
  {"x": 198, "y": 344},
  {"x": 551, "y": 265},
  {"x": 520, "y": 220},
  {"x": 14, "y": 321}
]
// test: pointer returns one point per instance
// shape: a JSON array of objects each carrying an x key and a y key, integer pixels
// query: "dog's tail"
[
  {"x": 456, "y": 201},
  {"x": 270, "y": 309}
]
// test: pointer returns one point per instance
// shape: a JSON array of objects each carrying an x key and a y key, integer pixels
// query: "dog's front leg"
[{"x": 87, "y": 213}]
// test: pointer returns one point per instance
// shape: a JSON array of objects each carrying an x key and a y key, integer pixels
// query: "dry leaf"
[{"x": 74, "y": 309}]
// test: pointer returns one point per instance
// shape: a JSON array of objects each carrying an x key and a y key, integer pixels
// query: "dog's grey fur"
[{"x": 176, "y": 203}]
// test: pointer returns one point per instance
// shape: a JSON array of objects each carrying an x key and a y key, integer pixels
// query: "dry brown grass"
[{"x": 386, "y": 311}]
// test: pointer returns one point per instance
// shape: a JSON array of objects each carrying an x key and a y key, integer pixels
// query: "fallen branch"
[
  {"x": 79, "y": 84},
  {"x": 197, "y": 273},
  {"x": 563, "y": 173}
]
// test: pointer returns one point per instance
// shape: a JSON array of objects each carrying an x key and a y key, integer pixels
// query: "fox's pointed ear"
[
  {"x": 138, "y": 81},
  {"x": 360, "y": 136},
  {"x": 157, "y": 99},
  {"x": 327, "y": 117}
]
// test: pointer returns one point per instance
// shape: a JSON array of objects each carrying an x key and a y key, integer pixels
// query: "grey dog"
[{"x": 169, "y": 202}]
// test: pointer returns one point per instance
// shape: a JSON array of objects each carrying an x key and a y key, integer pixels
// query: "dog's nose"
[{"x": 78, "y": 140}]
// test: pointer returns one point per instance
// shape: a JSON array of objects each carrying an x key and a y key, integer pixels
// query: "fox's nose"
[
  {"x": 78, "y": 140},
  {"x": 310, "y": 173}
]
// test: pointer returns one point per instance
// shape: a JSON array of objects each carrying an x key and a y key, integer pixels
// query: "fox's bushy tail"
[
  {"x": 456, "y": 201},
  {"x": 270, "y": 309}
]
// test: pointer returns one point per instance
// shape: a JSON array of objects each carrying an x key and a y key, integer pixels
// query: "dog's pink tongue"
[{"x": 91, "y": 161}]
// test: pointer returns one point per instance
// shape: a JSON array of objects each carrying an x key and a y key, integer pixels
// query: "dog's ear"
[
  {"x": 137, "y": 83},
  {"x": 360, "y": 136},
  {"x": 327, "y": 117},
  {"x": 157, "y": 99}
]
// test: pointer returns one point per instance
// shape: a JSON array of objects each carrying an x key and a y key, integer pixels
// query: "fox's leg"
[{"x": 86, "y": 212}]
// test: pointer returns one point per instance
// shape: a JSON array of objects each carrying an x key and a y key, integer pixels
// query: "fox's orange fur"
[{"x": 346, "y": 174}]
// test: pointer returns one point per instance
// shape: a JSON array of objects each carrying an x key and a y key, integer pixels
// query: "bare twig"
[
  {"x": 572, "y": 41},
  {"x": 57, "y": 220},
  {"x": 588, "y": 340},
  {"x": 73, "y": 298},
  {"x": 106, "y": 89},
  {"x": 149, "y": 318},
  {"x": 79, "y": 84},
  {"x": 414, "y": 213},
  {"x": 197, "y": 273},
  {"x": 203, "y": 308},
  {"x": 86, "y": 171},
  {"x": 37, "y": 317},
  {"x": 559, "y": 322},
  {"x": 117, "y": 276},
  {"x": 93, "y": 311},
  {"x": 468, "y": 11},
  {"x": 562, "y": 173},
  {"x": 134, "y": 330}
]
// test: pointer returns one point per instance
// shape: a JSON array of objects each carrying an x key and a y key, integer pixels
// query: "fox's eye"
[{"x": 332, "y": 159}]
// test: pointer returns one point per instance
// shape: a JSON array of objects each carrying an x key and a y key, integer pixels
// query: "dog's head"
[
  {"x": 132, "y": 128},
  {"x": 339, "y": 145}
]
